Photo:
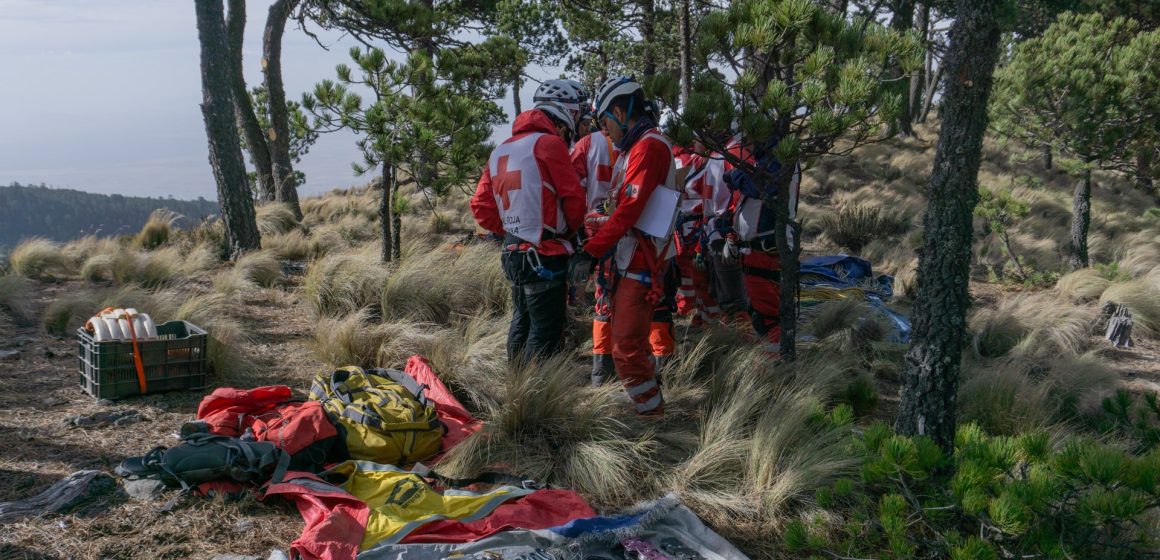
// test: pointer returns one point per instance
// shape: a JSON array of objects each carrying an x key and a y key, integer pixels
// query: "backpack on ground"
[
  {"x": 301, "y": 428},
  {"x": 204, "y": 458},
  {"x": 384, "y": 413}
]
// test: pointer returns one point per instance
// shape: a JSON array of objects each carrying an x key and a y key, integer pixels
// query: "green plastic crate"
[{"x": 175, "y": 360}]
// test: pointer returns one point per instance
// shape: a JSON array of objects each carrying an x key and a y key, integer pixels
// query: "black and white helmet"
[
  {"x": 581, "y": 93},
  {"x": 613, "y": 88},
  {"x": 559, "y": 91},
  {"x": 559, "y": 112}
]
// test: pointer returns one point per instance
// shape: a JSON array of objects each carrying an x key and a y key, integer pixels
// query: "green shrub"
[{"x": 1009, "y": 497}]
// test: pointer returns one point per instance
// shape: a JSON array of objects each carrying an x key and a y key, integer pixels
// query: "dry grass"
[
  {"x": 542, "y": 427},
  {"x": 15, "y": 306},
  {"x": 39, "y": 258},
  {"x": 158, "y": 229},
  {"x": 1031, "y": 325},
  {"x": 856, "y": 225},
  {"x": 1084, "y": 285},
  {"x": 275, "y": 218},
  {"x": 1015, "y": 395},
  {"x": 351, "y": 340},
  {"x": 337, "y": 285},
  {"x": 261, "y": 268},
  {"x": 442, "y": 285},
  {"x": 65, "y": 315},
  {"x": 762, "y": 450},
  {"x": 1142, "y": 296},
  {"x": 291, "y": 246},
  {"x": 227, "y": 336}
]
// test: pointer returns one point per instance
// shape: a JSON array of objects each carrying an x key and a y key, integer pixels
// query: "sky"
[{"x": 104, "y": 96}]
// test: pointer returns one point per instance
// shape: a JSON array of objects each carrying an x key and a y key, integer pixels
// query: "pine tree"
[
  {"x": 248, "y": 121},
  {"x": 808, "y": 78},
  {"x": 225, "y": 152},
  {"x": 533, "y": 26},
  {"x": 930, "y": 381},
  {"x": 286, "y": 186},
  {"x": 1089, "y": 89}
]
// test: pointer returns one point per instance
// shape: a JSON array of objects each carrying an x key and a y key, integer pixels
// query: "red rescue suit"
[
  {"x": 593, "y": 158},
  {"x": 648, "y": 165}
]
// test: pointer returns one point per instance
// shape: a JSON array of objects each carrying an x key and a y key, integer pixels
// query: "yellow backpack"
[{"x": 384, "y": 413}]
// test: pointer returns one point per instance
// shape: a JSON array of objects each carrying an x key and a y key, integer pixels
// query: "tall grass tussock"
[
  {"x": 340, "y": 284},
  {"x": 158, "y": 229},
  {"x": 39, "y": 258},
  {"x": 441, "y": 285},
  {"x": 1037, "y": 324},
  {"x": 1142, "y": 296},
  {"x": 15, "y": 307},
  {"x": 275, "y": 218}
]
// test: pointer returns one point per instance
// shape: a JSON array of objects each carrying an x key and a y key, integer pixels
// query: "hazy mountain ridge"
[{"x": 64, "y": 214}]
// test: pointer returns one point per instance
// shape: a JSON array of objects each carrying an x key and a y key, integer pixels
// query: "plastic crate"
[{"x": 175, "y": 360}]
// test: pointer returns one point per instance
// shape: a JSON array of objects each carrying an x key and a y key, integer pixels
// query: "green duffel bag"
[{"x": 383, "y": 413}]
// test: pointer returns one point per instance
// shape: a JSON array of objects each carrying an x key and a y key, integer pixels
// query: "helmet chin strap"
[{"x": 627, "y": 115}]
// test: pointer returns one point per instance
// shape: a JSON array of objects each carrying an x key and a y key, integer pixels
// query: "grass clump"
[
  {"x": 226, "y": 334},
  {"x": 1142, "y": 296},
  {"x": 446, "y": 284},
  {"x": 39, "y": 258},
  {"x": 542, "y": 427},
  {"x": 855, "y": 225},
  {"x": 275, "y": 218},
  {"x": 1016, "y": 395},
  {"x": 261, "y": 268},
  {"x": 1083, "y": 285},
  {"x": 291, "y": 246},
  {"x": 65, "y": 315},
  {"x": 1031, "y": 325},
  {"x": 340, "y": 284},
  {"x": 15, "y": 306},
  {"x": 158, "y": 229}
]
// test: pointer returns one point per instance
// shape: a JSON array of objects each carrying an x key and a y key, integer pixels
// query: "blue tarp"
[{"x": 845, "y": 271}]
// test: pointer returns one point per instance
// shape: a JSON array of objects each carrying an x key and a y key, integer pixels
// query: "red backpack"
[{"x": 301, "y": 428}]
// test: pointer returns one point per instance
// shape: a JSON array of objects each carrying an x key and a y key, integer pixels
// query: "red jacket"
[
  {"x": 647, "y": 167},
  {"x": 561, "y": 208},
  {"x": 593, "y": 158}
]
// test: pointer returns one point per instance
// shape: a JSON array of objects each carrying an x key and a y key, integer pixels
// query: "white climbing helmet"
[
  {"x": 559, "y": 91},
  {"x": 559, "y": 112},
  {"x": 613, "y": 88}
]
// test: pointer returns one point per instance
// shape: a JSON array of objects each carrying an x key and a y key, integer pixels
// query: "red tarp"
[{"x": 459, "y": 422}]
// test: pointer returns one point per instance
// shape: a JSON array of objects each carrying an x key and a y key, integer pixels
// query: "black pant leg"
[{"x": 547, "y": 306}]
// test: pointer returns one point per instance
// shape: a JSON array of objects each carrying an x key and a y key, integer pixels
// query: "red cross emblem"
[
  {"x": 506, "y": 181},
  {"x": 603, "y": 173}
]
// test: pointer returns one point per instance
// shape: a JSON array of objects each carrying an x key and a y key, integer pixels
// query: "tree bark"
[
  {"x": 647, "y": 36},
  {"x": 930, "y": 380},
  {"x": 516, "y": 96},
  {"x": 225, "y": 152},
  {"x": 686, "y": 52},
  {"x": 931, "y": 88},
  {"x": 385, "y": 209},
  {"x": 396, "y": 218},
  {"x": 279, "y": 133},
  {"x": 243, "y": 108},
  {"x": 788, "y": 250},
  {"x": 1081, "y": 218},
  {"x": 919, "y": 76},
  {"x": 1047, "y": 155},
  {"x": 903, "y": 20}
]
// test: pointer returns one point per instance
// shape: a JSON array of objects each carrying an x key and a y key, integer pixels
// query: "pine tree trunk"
[
  {"x": 1047, "y": 154},
  {"x": 225, "y": 151},
  {"x": 516, "y": 96},
  {"x": 647, "y": 37},
  {"x": 902, "y": 21},
  {"x": 385, "y": 206},
  {"x": 930, "y": 381},
  {"x": 686, "y": 52},
  {"x": 788, "y": 251},
  {"x": 396, "y": 218},
  {"x": 931, "y": 89},
  {"x": 244, "y": 108},
  {"x": 279, "y": 133},
  {"x": 919, "y": 76},
  {"x": 1081, "y": 218}
]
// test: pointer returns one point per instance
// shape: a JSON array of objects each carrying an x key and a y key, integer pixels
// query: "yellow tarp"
[{"x": 401, "y": 501}]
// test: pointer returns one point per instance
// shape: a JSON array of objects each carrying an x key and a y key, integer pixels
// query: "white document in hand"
[{"x": 660, "y": 212}]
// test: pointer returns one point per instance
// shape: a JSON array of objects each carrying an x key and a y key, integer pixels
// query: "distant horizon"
[{"x": 106, "y": 98}]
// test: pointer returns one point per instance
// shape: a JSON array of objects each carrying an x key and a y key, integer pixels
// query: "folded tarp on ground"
[
  {"x": 382, "y": 504},
  {"x": 664, "y": 527},
  {"x": 829, "y": 277}
]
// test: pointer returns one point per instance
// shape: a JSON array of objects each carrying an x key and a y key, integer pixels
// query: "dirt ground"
[{"x": 39, "y": 392}]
